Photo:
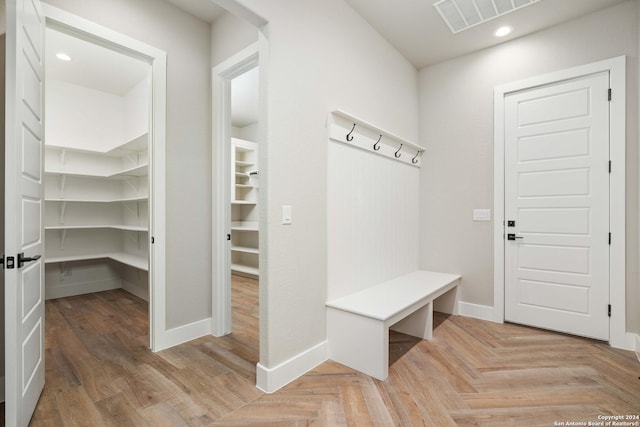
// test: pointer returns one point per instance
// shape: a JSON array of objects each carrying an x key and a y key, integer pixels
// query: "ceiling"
[
  {"x": 91, "y": 65},
  {"x": 413, "y": 27},
  {"x": 417, "y": 31},
  {"x": 244, "y": 99},
  {"x": 206, "y": 10}
]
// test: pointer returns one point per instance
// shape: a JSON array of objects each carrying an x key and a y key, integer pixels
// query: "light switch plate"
[
  {"x": 482, "y": 214},
  {"x": 286, "y": 215}
]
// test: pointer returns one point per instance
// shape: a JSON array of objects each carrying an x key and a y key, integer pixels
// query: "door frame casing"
[
  {"x": 617, "y": 186},
  {"x": 221, "y": 76},
  {"x": 72, "y": 24}
]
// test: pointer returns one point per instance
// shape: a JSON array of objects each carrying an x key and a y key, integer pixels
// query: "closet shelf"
[
  {"x": 244, "y": 225},
  {"x": 123, "y": 200},
  {"x": 122, "y": 257},
  {"x": 135, "y": 171},
  {"x": 244, "y": 202},
  {"x": 245, "y": 250},
  {"x": 138, "y": 143},
  {"x": 243, "y": 164},
  {"x": 97, "y": 226},
  {"x": 245, "y": 186},
  {"x": 245, "y": 269}
]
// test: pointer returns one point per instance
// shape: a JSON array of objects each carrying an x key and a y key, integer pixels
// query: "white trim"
[
  {"x": 236, "y": 8},
  {"x": 271, "y": 380},
  {"x": 68, "y": 290},
  {"x": 222, "y": 75},
  {"x": 182, "y": 334},
  {"x": 616, "y": 68},
  {"x": 635, "y": 339},
  {"x": 477, "y": 311},
  {"x": 67, "y": 22}
]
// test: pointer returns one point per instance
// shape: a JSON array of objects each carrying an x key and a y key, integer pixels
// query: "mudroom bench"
[{"x": 358, "y": 324}]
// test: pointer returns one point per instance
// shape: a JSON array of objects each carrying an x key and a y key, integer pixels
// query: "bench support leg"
[
  {"x": 358, "y": 342},
  {"x": 417, "y": 324}
]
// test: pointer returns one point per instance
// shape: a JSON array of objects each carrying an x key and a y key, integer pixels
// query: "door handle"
[
  {"x": 511, "y": 236},
  {"x": 22, "y": 259}
]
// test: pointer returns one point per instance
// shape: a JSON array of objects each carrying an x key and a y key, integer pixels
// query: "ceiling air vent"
[{"x": 462, "y": 14}]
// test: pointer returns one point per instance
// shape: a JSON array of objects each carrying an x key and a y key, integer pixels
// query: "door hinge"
[
  {"x": 609, "y": 166},
  {"x": 609, "y": 94},
  {"x": 609, "y": 238},
  {"x": 609, "y": 310},
  {"x": 153, "y": 240}
]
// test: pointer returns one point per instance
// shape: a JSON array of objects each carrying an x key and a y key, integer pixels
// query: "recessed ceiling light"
[
  {"x": 63, "y": 56},
  {"x": 503, "y": 31}
]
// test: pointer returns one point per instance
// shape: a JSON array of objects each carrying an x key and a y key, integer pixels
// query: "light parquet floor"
[{"x": 100, "y": 373}]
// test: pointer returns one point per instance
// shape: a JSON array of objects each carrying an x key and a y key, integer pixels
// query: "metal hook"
[
  {"x": 376, "y": 146},
  {"x": 397, "y": 153},
  {"x": 349, "y": 137},
  {"x": 415, "y": 158}
]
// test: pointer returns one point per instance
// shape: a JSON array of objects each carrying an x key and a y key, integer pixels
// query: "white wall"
[
  {"x": 71, "y": 124},
  {"x": 229, "y": 35},
  {"x": 186, "y": 40},
  {"x": 136, "y": 111},
  {"x": 456, "y": 126},
  {"x": 322, "y": 56}
]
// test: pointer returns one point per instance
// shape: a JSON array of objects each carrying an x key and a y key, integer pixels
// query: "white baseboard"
[
  {"x": 477, "y": 311},
  {"x": 270, "y": 380},
  {"x": 633, "y": 343},
  {"x": 182, "y": 334},
  {"x": 141, "y": 291},
  {"x": 81, "y": 288}
]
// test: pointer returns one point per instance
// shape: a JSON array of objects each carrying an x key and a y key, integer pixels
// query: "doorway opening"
[
  {"x": 237, "y": 255},
  {"x": 104, "y": 164}
]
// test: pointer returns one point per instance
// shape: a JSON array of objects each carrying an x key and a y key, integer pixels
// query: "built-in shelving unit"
[
  {"x": 96, "y": 210},
  {"x": 245, "y": 250}
]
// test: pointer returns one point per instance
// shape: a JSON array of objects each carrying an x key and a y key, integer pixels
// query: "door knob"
[
  {"x": 22, "y": 259},
  {"x": 511, "y": 236}
]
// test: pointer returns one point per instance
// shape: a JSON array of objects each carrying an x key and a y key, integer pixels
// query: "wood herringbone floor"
[{"x": 99, "y": 373}]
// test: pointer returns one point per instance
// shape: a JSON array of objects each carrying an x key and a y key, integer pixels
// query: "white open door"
[
  {"x": 23, "y": 246},
  {"x": 557, "y": 206}
]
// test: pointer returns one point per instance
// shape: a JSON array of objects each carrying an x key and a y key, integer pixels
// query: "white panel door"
[
  {"x": 24, "y": 281},
  {"x": 557, "y": 192}
]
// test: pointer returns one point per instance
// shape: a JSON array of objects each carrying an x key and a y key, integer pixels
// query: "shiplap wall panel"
[{"x": 372, "y": 219}]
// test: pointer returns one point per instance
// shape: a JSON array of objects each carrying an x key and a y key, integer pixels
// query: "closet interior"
[
  {"x": 96, "y": 163},
  {"x": 245, "y": 252}
]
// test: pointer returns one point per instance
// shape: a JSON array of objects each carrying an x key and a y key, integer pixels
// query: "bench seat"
[{"x": 358, "y": 324}]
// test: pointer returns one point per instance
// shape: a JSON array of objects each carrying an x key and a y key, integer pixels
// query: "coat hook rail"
[{"x": 342, "y": 128}]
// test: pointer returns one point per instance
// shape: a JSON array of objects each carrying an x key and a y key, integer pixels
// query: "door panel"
[
  {"x": 24, "y": 284},
  {"x": 557, "y": 192}
]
